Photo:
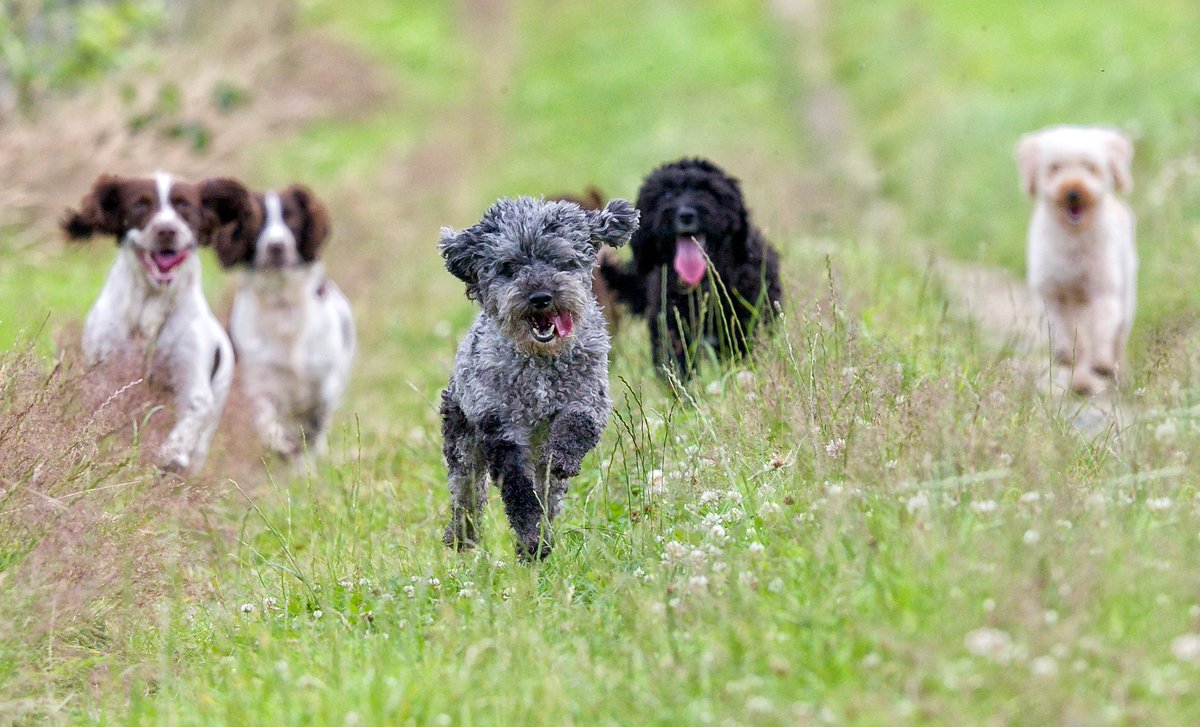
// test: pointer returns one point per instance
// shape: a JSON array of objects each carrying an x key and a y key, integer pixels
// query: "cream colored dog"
[{"x": 1082, "y": 260}]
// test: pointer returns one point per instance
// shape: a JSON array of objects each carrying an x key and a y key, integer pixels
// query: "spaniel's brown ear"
[
  {"x": 233, "y": 219},
  {"x": 99, "y": 211},
  {"x": 316, "y": 222}
]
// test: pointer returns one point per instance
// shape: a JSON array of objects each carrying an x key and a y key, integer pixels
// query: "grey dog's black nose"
[
  {"x": 540, "y": 299},
  {"x": 685, "y": 217}
]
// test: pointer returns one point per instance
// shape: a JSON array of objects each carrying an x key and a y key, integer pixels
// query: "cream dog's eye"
[
  {"x": 1054, "y": 168},
  {"x": 1091, "y": 168}
]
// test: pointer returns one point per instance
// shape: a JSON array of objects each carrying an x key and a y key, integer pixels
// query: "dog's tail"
[{"x": 627, "y": 286}]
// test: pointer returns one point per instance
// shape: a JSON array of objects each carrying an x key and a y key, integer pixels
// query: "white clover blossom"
[
  {"x": 990, "y": 643},
  {"x": 984, "y": 507},
  {"x": 1186, "y": 648}
]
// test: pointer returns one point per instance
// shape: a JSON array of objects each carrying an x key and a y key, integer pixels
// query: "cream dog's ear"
[
  {"x": 1120, "y": 161},
  {"x": 1027, "y": 162}
]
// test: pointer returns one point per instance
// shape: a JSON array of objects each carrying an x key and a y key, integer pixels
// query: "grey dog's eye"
[{"x": 509, "y": 269}]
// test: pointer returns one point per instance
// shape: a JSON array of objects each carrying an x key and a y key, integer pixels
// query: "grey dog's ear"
[
  {"x": 614, "y": 224},
  {"x": 458, "y": 250}
]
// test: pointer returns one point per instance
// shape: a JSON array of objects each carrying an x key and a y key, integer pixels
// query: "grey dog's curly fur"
[{"x": 519, "y": 410}]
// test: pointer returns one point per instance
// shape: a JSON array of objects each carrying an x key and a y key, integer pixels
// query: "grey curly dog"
[{"x": 528, "y": 397}]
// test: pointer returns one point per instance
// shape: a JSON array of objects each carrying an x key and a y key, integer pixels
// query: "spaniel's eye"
[
  {"x": 141, "y": 206},
  {"x": 182, "y": 205}
]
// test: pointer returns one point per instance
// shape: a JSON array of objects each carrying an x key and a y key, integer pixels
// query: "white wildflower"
[
  {"x": 1159, "y": 504},
  {"x": 776, "y": 585},
  {"x": 984, "y": 507},
  {"x": 247, "y": 608},
  {"x": 673, "y": 552},
  {"x": 1044, "y": 667},
  {"x": 710, "y": 497},
  {"x": 835, "y": 447},
  {"x": 410, "y": 592},
  {"x": 1186, "y": 647},
  {"x": 713, "y": 389},
  {"x": 990, "y": 643},
  {"x": 759, "y": 705},
  {"x": 434, "y": 583},
  {"x": 745, "y": 379},
  {"x": 317, "y": 614},
  {"x": 1166, "y": 431},
  {"x": 1031, "y": 537},
  {"x": 917, "y": 503},
  {"x": 757, "y": 547},
  {"x": 1029, "y": 498}
]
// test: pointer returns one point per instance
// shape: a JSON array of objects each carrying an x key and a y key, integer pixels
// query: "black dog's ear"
[
  {"x": 458, "y": 250},
  {"x": 233, "y": 219},
  {"x": 99, "y": 211},
  {"x": 614, "y": 224},
  {"x": 316, "y": 222}
]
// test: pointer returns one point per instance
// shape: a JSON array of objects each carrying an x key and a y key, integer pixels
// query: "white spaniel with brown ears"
[
  {"x": 291, "y": 326},
  {"x": 1081, "y": 257},
  {"x": 152, "y": 306}
]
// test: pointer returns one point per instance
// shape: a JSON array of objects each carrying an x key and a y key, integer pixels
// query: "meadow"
[{"x": 880, "y": 518}]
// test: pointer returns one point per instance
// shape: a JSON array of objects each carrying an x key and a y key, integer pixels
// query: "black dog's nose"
[
  {"x": 685, "y": 217},
  {"x": 540, "y": 300}
]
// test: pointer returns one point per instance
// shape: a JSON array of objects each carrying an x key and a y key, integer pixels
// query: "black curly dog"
[{"x": 702, "y": 274}]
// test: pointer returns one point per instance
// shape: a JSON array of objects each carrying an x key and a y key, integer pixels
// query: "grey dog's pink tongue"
[
  {"x": 689, "y": 260},
  {"x": 563, "y": 323}
]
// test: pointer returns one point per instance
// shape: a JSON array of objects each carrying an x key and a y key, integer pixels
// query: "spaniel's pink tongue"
[
  {"x": 689, "y": 260},
  {"x": 563, "y": 323},
  {"x": 168, "y": 261}
]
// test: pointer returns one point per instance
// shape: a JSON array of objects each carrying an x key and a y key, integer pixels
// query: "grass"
[{"x": 876, "y": 520}]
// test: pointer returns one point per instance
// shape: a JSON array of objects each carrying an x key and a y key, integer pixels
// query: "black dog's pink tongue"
[
  {"x": 689, "y": 260},
  {"x": 563, "y": 323}
]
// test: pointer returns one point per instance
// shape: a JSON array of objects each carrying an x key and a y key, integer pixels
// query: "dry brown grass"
[{"x": 83, "y": 524}]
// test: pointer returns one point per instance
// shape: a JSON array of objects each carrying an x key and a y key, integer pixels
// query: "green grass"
[{"x": 822, "y": 536}]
